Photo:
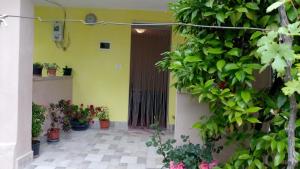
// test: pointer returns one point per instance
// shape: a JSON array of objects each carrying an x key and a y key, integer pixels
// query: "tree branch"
[{"x": 293, "y": 104}]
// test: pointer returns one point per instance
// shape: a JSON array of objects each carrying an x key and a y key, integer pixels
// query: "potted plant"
[
  {"x": 81, "y": 117},
  {"x": 103, "y": 116},
  {"x": 67, "y": 71},
  {"x": 38, "y": 118},
  {"x": 65, "y": 107},
  {"x": 56, "y": 117},
  {"x": 59, "y": 114},
  {"x": 38, "y": 69},
  {"x": 51, "y": 68}
]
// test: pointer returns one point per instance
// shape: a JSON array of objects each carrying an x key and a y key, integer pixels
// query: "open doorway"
[{"x": 148, "y": 88}]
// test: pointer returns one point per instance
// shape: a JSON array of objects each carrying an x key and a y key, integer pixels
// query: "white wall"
[{"x": 16, "y": 45}]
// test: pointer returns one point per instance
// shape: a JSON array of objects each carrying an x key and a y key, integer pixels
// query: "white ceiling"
[{"x": 156, "y": 5}]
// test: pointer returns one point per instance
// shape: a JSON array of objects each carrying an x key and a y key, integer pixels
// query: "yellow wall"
[{"x": 96, "y": 79}]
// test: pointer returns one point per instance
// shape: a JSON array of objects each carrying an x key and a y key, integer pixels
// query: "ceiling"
[{"x": 155, "y": 5}]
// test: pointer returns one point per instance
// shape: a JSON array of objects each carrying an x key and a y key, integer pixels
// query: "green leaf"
[
  {"x": 228, "y": 44},
  {"x": 209, "y": 3},
  {"x": 251, "y": 15},
  {"x": 264, "y": 20},
  {"x": 235, "y": 17},
  {"x": 241, "y": 9},
  {"x": 231, "y": 66},
  {"x": 280, "y": 147},
  {"x": 208, "y": 13},
  {"x": 281, "y": 100},
  {"x": 258, "y": 164},
  {"x": 298, "y": 123},
  {"x": 275, "y": 5},
  {"x": 215, "y": 50},
  {"x": 291, "y": 87},
  {"x": 234, "y": 52},
  {"x": 292, "y": 14},
  {"x": 252, "y": 5},
  {"x": 267, "y": 138},
  {"x": 220, "y": 64},
  {"x": 253, "y": 120},
  {"x": 255, "y": 35},
  {"x": 273, "y": 145},
  {"x": 279, "y": 64},
  {"x": 279, "y": 159},
  {"x": 220, "y": 16},
  {"x": 240, "y": 75},
  {"x": 253, "y": 109},
  {"x": 239, "y": 120},
  {"x": 244, "y": 156},
  {"x": 246, "y": 96},
  {"x": 194, "y": 14},
  {"x": 175, "y": 65},
  {"x": 192, "y": 59}
]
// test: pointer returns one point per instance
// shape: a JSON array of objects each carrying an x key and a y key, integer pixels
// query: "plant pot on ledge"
[
  {"x": 53, "y": 135},
  {"x": 37, "y": 69},
  {"x": 67, "y": 71},
  {"x": 51, "y": 72},
  {"x": 51, "y": 68},
  {"x": 104, "y": 124}
]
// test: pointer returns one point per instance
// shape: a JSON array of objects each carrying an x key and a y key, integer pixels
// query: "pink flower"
[
  {"x": 213, "y": 164},
  {"x": 176, "y": 166},
  {"x": 205, "y": 165}
]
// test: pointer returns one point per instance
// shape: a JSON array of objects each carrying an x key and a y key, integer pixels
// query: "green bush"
[
  {"x": 38, "y": 118},
  {"x": 190, "y": 154}
]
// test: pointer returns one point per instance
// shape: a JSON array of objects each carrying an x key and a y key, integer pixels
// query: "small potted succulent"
[
  {"x": 51, "y": 68},
  {"x": 81, "y": 117},
  {"x": 38, "y": 69},
  {"x": 103, "y": 117},
  {"x": 38, "y": 118},
  {"x": 67, "y": 71}
]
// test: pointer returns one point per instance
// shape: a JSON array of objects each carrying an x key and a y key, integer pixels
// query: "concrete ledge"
[{"x": 47, "y": 78}]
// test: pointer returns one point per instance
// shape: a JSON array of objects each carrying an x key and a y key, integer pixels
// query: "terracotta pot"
[
  {"x": 104, "y": 124},
  {"x": 53, "y": 135},
  {"x": 51, "y": 72}
]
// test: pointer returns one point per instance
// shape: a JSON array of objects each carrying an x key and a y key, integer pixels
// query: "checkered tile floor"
[{"x": 99, "y": 149}]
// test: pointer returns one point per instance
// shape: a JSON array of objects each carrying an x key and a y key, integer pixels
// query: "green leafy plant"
[
  {"x": 102, "y": 113},
  {"x": 276, "y": 49},
  {"x": 38, "y": 118},
  {"x": 82, "y": 114},
  {"x": 51, "y": 66},
  {"x": 217, "y": 66},
  {"x": 190, "y": 154},
  {"x": 38, "y": 65}
]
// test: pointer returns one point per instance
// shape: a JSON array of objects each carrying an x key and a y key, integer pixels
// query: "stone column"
[{"x": 16, "y": 46}]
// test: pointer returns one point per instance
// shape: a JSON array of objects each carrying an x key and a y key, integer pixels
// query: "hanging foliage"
[{"x": 217, "y": 66}]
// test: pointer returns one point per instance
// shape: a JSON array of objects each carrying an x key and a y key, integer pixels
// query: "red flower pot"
[
  {"x": 51, "y": 72},
  {"x": 53, "y": 135},
  {"x": 104, "y": 124}
]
